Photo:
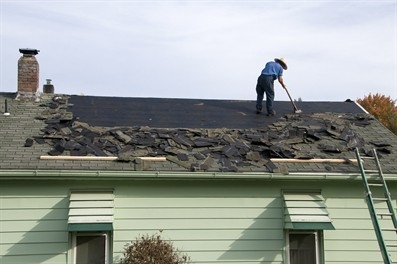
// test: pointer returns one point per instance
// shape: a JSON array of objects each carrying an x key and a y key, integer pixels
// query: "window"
[
  {"x": 90, "y": 248},
  {"x": 303, "y": 247},
  {"x": 90, "y": 223},
  {"x": 305, "y": 218}
]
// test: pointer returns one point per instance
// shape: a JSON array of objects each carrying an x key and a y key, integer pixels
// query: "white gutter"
[{"x": 150, "y": 175}]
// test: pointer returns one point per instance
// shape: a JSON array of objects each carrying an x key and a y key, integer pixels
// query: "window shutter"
[
  {"x": 306, "y": 211},
  {"x": 91, "y": 211}
]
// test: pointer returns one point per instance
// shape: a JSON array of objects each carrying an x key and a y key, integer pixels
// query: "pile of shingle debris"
[{"x": 293, "y": 136}]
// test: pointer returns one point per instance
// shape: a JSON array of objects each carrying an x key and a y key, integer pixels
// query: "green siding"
[
  {"x": 33, "y": 259},
  {"x": 212, "y": 221},
  {"x": 33, "y": 219}
]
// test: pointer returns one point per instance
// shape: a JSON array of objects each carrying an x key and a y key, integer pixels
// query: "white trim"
[
  {"x": 74, "y": 242},
  {"x": 316, "y": 241}
]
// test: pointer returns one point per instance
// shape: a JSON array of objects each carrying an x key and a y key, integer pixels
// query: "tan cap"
[{"x": 282, "y": 62}]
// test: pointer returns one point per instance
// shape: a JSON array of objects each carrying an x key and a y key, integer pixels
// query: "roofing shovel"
[{"x": 296, "y": 110}]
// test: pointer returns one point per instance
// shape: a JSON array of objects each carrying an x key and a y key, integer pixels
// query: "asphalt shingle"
[{"x": 213, "y": 137}]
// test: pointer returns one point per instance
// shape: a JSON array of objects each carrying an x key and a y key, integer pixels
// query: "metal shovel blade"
[{"x": 296, "y": 110}]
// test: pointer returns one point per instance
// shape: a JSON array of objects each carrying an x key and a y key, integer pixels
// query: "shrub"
[{"x": 153, "y": 250}]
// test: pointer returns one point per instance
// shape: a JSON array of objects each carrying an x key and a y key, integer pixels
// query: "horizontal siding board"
[
  {"x": 34, "y": 259},
  {"x": 235, "y": 256},
  {"x": 349, "y": 213},
  {"x": 36, "y": 226},
  {"x": 202, "y": 234},
  {"x": 350, "y": 234},
  {"x": 209, "y": 223},
  {"x": 348, "y": 224},
  {"x": 203, "y": 202},
  {"x": 352, "y": 203},
  {"x": 214, "y": 188},
  {"x": 355, "y": 245},
  {"x": 33, "y": 213},
  {"x": 34, "y": 203},
  {"x": 33, "y": 237},
  {"x": 33, "y": 189},
  {"x": 346, "y": 256},
  {"x": 171, "y": 213},
  {"x": 34, "y": 248}
]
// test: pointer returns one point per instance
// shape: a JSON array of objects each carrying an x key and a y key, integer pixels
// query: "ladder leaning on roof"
[{"x": 375, "y": 179}]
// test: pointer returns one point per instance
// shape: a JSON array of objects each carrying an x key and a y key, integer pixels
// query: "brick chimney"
[{"x": 28, "y": 74}]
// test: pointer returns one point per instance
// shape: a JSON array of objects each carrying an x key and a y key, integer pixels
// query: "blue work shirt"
[{"x": 274, "y": 69}]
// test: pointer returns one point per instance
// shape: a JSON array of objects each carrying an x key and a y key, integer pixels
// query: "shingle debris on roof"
[{"x": 301, "y": 136}]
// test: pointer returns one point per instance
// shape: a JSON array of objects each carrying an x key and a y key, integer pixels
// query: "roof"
[{"x": 159, "y": 134}]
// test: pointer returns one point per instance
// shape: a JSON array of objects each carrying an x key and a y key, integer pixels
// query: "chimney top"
[{"x": 29, "y": 51}]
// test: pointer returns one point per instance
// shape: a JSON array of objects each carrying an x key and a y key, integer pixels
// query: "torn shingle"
[
  {"x": 199, "y": 156},
  {"x": 292, "y": 136},
  {"x": 182, "y": 157},
  {"x": 28, "y": 142},
  {"x": 122, "y": 137},
  {"x": 229, "y": 151},
  {"x": 183, "y": 141}
]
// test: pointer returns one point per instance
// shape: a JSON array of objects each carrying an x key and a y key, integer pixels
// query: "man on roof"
[{"x": 273, "y": 70}]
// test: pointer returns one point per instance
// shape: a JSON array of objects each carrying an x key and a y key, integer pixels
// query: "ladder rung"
[
  {"x": 385, "y": 214},
  {"x": 379, "y": 199},
  {"x": 371, "y": 171},
  {"x": 389, "y": 229},
  {"x": 376, "y": 184},
  {"x": 367, "y": 157}
]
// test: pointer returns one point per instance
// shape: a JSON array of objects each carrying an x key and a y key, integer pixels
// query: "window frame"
[
  {"x": 319, "y": 249},
  {"x": 106, "y": 234}
]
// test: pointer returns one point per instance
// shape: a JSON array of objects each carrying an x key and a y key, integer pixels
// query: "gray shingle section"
[{"x": 280, "y": 135}]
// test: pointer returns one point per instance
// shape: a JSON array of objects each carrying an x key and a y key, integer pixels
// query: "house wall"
[{"x": 213, "y": 221}]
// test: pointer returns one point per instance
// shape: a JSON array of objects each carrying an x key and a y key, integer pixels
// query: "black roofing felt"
[{"x": 189, "y": 113}]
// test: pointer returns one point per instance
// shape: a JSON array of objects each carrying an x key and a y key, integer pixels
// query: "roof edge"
[{"x": 147, "y": 175}]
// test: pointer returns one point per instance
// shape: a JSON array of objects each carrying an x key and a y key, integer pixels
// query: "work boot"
[
  {"x": 273, "y": 113},
  {"x": 258, "y": 110}
]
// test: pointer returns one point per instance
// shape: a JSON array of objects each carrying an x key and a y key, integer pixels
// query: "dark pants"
[{"x": 265, "y": 85}]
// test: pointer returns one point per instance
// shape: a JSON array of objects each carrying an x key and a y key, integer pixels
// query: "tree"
[
  {"x": 153, "y": 250},
  {"x": 382, "y": 108}
]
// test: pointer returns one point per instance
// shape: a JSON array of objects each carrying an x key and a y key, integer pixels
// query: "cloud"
[{"x": 204, "y": 49}]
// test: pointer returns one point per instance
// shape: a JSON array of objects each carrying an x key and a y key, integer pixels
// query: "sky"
[{"x": 336, "y": 50}]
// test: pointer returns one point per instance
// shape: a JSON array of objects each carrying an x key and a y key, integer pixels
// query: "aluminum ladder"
[{"x": 383, "y": 219}]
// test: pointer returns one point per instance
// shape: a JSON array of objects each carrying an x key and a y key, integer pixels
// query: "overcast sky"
[{"x": 336, "y": 50}]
